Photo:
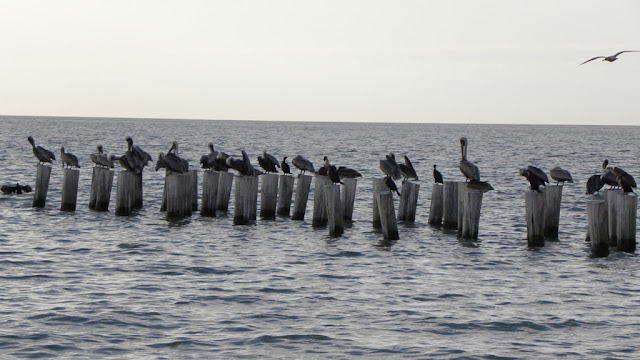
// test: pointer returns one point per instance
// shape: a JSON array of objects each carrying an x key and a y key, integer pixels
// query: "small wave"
[
  {"x": 280, "y": 291},
  {"x": 295, "y": 337}
]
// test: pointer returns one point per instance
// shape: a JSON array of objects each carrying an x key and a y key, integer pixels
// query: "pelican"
[
  {"x": 482, "y": 186},
  {"x": 390, "y": 167},
  {"x": 391, "y": 185},
  {"x": 172, "y": 163},
  {"x": 267, "y": 165},
  {"x": 627, "y": 178},
  {"x": 284, "y": 166},
  {"x": 594, "y": 184},
  {"x": 270, "y": 158},
  {"x": 68, "y": 158},
  {"x": 560, "y": 175},
  {"x": 539, "y": 173},
  {"x": 208, "y": 160},
  {"x": 437, "y": 177},
  {"x": 534, "y": 180},
  {"x": 345, "y": 172},
  {"x": 302, "y": 164},
  {"x": 142, "y": 155},
  {"x": 129, "y": 161},
  {"x": 325, "y": 167},
  {"x": 469, "y": 169},
  {"x": 94, "y": 157},
  {"x": 407, "y": 170},
  {"x": 624, "y": 184},
  {"x": 43, "y": 155},
  {"x": 220, "y": 164},
  {"x": 608, "y": 176},
  {"x": 610, "y": 58}
]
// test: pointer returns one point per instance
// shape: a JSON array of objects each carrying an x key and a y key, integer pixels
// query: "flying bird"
[{"x": 610, "y": 58}]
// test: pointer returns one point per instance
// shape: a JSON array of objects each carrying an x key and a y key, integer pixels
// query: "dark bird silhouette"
[
  {"x": 391, "y": 185},
  {"x": 15, "y": 189},
  {"x": 560, "y": 175},
  {"x": 482, "y": 186},
  {"x": 142, "y": 155},
  {"x": 347, "y": 173},
  {"x": 324, "y": 170},
  {"x": 284, "y": 166},
  {"x": 594, "y": 184},
  {"x": 539, "y": 173},
  {"x": 437, "y": 177},
  {"x": 390, "y": 167},
  {"x": 172, "y": 163},
  {"x": 220, "y": 164},
  {"x": 270, "y": 158},
  {"x": 332, "y": 172},
  {"x": 302, "y": 164},
  {"x": 407, "y": 170},
  {"x": 207, "y": 161},
  {"x": 43, "y": 155},
  {"x": 534, "y": 180},
  {"x": 624, "y": 184},
  {"x": 468, "y": 169},
  {"x": 68, "y": 159},
  {"x": 624, "y": 175},
  {"x": 608, "y": 176},
  {"x": 267, "y": 165},
  {"x": 610, "y": 58},
  {"x": 242, "y": 166}
]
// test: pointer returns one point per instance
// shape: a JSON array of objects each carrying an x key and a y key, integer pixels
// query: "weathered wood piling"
[
  {"x": 348, "y": 197},
  {"x": 43, "y": 174},
  {"x": 450, "y": 205},
  {"x": 225, "y": 181},
  {"x": 471, "y": 217},
  {"x": 408, "y": 202},
  {"x": 319, "y": 206},
  {"x": 126, "y": 192},
  {"x": 387, "y": 216},
  {"x": 552, "y": 201},
  {"x": 534, "y": 204},
  {"x": 333, "y": 204},
  {"x": 69, "y": 189},
  {"x": 612, "y": 213},
  {"x": 285, "y": 194},
  {"x": 138, "y": 192},
  {"x": 378, "y": 187},
  {"x": 302, "y": 195},
  {"x": 178, "y": 195},
  {"x": 246, "y": 200},
  {"x": 462, "y": 197},
  {"x": 626, "y": 211},
  {"x": 101, "y": 184},
  {"x": 209, "y": 193},
  {"x": 597, "y": 219},
  {"x": 268, "y": 196},
  {"x": 605, "y": 219},
  {"x": 435, "y": 208},
  {"x": 194, "y": 189}
]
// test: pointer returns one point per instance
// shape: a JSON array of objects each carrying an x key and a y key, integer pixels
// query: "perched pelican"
[
  {"x": 345, "y": 172},
  {"x": 624, "y": 184},
  {"x": 270, "y": 158},
  {"x": 479, "y": 186},
  {"x": 594, "y": 184},
  {"x": 172, "y": 163},
  {"x": 325, "y": 167},
  {"x": 437, "y": 177},
  {"x": 94, "y": 157},
  {"x": 608, "y": 176},
  {"x": 284, "y": 166},
  {"x": 469, "y": 169},
  {"x": 68, "y": 158},
  {"x": 142, "y": 155},
  {"x": 610, "y": 58},
  {"x": 220, "y": 164},
  {"x": 332, "y": 172},
  {"x": 208, "y": 161},
  {"x": 129, "y": 161},
  {"x": 624, "y": 175},
  {"x": 43, "y": 155},
  {"x": 391, "y": 185},
  {"x": 407, "y": 170},
  {"x": 560, "y": 175},
  {"x": 534, "y": 180},
  {"x": 242, "y": 166},
  {"x": 390, "y": 167},
  {"x": 250, "y": 170},
  {"x": 267, "y": 165},
  {"x": 302, "y": 164},
  {"x": 539, "y": 173}
]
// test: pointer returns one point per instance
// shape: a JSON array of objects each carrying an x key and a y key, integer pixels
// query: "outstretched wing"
[{"x": 597, "y": 57}]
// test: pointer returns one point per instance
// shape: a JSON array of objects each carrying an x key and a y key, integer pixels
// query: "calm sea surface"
[{"x": 93, "y": 285}]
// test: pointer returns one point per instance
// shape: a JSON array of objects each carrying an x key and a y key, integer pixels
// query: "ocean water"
[{"x": 95, "y": 285}]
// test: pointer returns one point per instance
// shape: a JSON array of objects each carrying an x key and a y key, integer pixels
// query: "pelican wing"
[{"x": 597, "y": 57}]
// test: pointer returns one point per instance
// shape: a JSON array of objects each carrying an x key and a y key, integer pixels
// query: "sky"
[{"x": 454, "y": 61}]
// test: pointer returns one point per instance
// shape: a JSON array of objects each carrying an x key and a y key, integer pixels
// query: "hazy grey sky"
[{"x": 501, "y": 61}]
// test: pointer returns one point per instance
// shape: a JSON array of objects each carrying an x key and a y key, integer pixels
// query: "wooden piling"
[
  {"x": 450, "y": 205},
  {"x": 285, "y": 194},
  {"x": 408, "y": 202},
  {"x": 378, "y": 187},
  {"x": 626, "y": 210},
  {"x": 387, "y": 216},
  {"x": 597, "y": 219},
  {"x": 606, "y": 221},
  {"x": 163, "y": 204},
  {"x": 435, "y": 209},
  {"x": 225, "y": 181},
  {"x": 178, "y": 195},
  {"x": 462, "y": 197},
  {"x": 69, "y": 189},
  {"x": 43, "y": 174},
  {"x": 333, "y": 204},
  {"x": 348, "y": 197},
  {"x": 268, "y": 196},
  {"x": 610, "y": 195},
  {"x": 471, "y": 218},
  {"x": 302, "y": 195},
  {"x": 194, "y": 189},
  {"x": 126, "y": 192},
  {"x": 244, "y": 204},
  {"x": 209, "y": 193},
  {"x": 138, "y": 192},
  {"x": 534, "y": 204},
  {"x": 552, "y": 201},
  {"x": 319, "y": 206},
  {"x": 101, "y": 183}
]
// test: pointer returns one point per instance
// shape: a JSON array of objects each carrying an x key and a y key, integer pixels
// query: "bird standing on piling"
[
  {"x": 628, "y": 179},
  {"x": 332, "y": 172},
  {"x": 43, "y": 155},
  {"x": 172, "y": 163},
  {"x": 407, "y": 170},
  {"x": 534, "y": 180},
  {"x": 539, "y": 173},
  {"x": 625, "y": 184},
  {"x": 68, "y": 159},
  {"x": 270, "y": 158},
  {"x": 560, "y": 175},
  {"x": 594, "y": 184},
  {"x": 268, "y": 165},
  {"x": 142, "y": 155},
  {"x": 286, "y": 169},
  {"x": 437, "y": 177},
  {"x": 391, "y": 185},
  {"x": 207, "y": 161},
  {"x": 302, "y": 164},
  {"x": 608, "y": 176},
  {"x": 390, "y": 167},
  {"x": 468, "y": 169},
  {"x": 482, "y": 186}
]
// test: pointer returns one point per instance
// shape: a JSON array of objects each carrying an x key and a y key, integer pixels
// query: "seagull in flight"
[{"x": 610, "y": 58}]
